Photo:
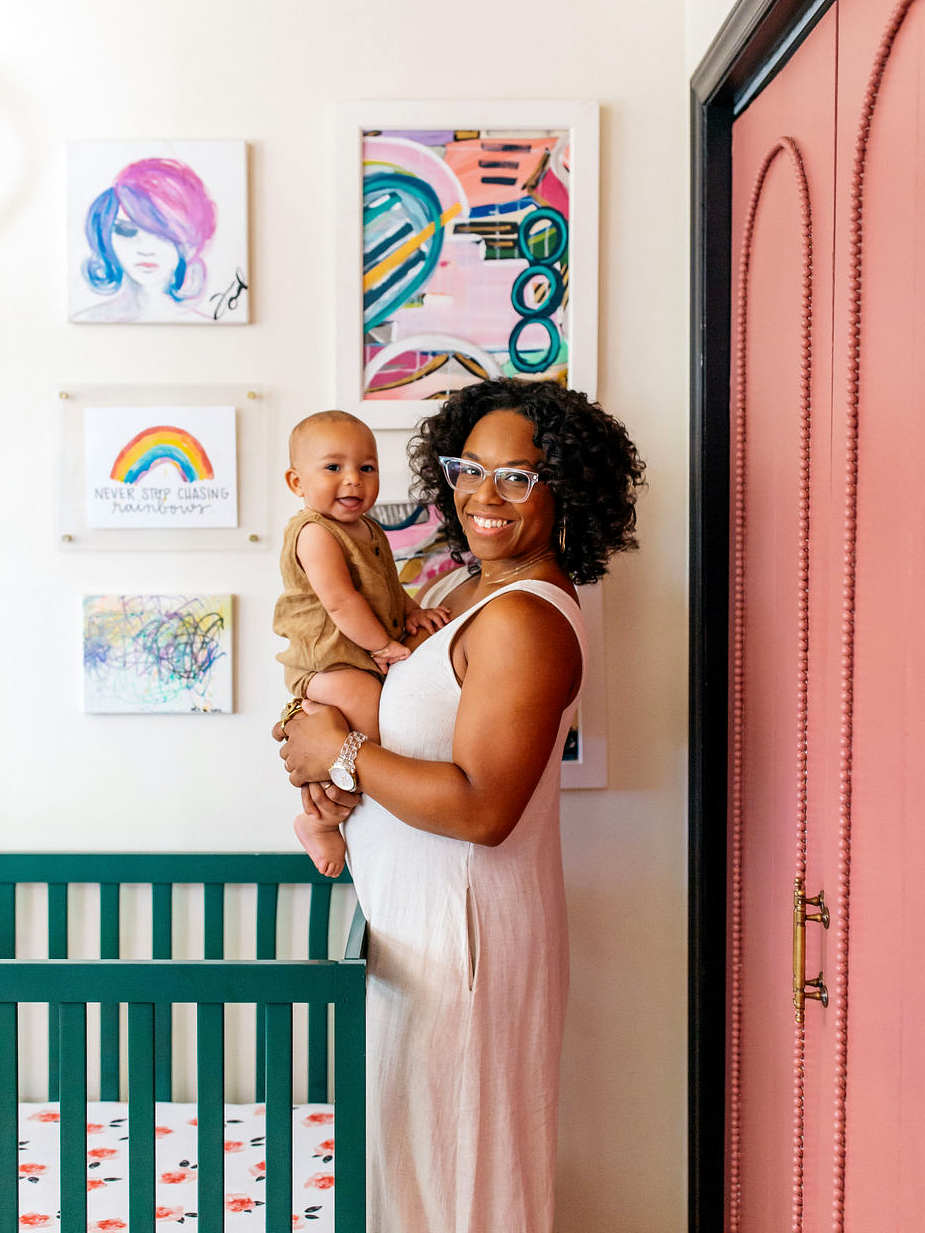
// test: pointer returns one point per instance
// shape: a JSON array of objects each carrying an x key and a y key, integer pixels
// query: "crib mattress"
[{"x": 175, "y": 1192}]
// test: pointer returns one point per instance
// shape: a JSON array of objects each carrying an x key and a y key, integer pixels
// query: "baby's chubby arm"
[{"x": 326, "y": 570}]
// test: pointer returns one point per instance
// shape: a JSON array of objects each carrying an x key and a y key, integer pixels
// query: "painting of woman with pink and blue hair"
[{"x": 164, "y": 238}]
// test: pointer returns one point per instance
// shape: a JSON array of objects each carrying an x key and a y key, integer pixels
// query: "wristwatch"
[
  {"x": 342, "y": 772},
  {"x": 292, "y": 707}
]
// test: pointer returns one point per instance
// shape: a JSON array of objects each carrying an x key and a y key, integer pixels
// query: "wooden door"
[{"x": 828, "y": 719}]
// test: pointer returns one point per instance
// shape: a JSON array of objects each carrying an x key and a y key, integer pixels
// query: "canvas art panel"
[
  {"x": 465, "y": 258},
  {"x": 157, "y": 654},
  {"x": 157, "y": 232},
  {"x": 164, "y": 466},
  {"x": 475, "y": 218}
]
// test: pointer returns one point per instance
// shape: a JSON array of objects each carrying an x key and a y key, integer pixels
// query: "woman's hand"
[
  {"x": 311, "y": 742},
  {"x": 327, "y": 803}
]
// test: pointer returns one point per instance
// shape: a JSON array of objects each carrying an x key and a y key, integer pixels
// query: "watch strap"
[{"x": 350, "y": 749}]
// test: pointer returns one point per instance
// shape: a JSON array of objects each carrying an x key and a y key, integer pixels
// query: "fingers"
[
  {"x": 278, "y": 734},
  {"x": 308, "y": 805},
  {"x": 339, "y": 796}
]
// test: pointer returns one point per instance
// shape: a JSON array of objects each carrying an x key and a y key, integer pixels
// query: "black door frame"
[{"x": 756, "y": 40}]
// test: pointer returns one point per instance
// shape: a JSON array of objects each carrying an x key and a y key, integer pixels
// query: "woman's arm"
[{"x": 522, "y": 665}]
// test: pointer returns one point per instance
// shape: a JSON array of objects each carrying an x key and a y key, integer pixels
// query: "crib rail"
[
  {"x": 209, "y": 984},
  {"x": 163, "y": 872}
]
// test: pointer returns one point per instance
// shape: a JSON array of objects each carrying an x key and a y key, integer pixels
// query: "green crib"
[{"x": 149, "y": 988}]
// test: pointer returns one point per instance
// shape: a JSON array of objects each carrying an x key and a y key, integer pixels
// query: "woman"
[{"x": 455, "y": 847}]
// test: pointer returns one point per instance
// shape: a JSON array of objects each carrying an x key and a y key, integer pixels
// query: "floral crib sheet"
[{"x": 175, "y": 1189}]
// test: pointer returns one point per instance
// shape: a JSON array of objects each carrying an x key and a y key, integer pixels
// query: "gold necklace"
[{"x": 545, "y": 554}]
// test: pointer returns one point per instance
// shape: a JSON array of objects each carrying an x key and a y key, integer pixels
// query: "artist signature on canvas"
[{"x": 228, "y": 299}]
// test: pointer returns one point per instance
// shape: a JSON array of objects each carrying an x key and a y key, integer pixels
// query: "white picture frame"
[
  {"x": 589, "y": 768},
  {"x": 578, "y": 293}
]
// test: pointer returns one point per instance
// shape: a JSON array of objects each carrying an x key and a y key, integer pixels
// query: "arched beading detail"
[{"x": 785, "y": 146}]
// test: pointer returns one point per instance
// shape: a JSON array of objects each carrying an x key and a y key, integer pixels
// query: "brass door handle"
[{"x": 803, "y": 988}]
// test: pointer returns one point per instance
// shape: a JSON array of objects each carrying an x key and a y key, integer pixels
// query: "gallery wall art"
[
  {"x": 157, "y": 232},
  {"x": 160, "y": 467},
  {"x": 157, "y": 654},
  {"x": 172, "y": 467},
  {"x": 468, "y": 249}
]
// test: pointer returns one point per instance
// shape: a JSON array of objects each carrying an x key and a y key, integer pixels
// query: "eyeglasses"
[{"x": 511, "y": 483}]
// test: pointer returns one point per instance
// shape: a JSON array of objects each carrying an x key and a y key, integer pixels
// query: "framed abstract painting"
[{"x": 467, "y": 248}]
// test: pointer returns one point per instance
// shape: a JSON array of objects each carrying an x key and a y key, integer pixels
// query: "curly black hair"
[{"x": 590, "y": 464}]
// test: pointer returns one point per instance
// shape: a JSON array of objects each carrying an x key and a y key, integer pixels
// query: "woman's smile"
[{"x": 489, "y": 524}]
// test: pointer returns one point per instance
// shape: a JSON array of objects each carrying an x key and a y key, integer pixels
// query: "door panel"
[
  {"x": 782, "y": 221},
  {"x": 827, "y": 769},
  {"x": 881, "y": 246}
]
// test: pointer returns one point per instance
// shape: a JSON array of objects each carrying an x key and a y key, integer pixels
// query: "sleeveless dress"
[{"x": 468, "y": 976}]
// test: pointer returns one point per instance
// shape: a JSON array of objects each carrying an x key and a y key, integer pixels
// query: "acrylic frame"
[
  {"x": 581, "y": 119},
  {"x": 253, "y": 417}
]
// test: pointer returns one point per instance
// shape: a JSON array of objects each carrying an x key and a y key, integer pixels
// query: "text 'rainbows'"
[{"x": 162, "y": 443}]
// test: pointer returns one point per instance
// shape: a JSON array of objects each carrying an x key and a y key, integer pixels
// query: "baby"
[{"x": 343, "y": 608}]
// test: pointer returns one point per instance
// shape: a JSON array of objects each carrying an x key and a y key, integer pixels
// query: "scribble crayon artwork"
[
  {"x": 157, "y": 654},
  {"x": 151, "y": 467},
  {"x": 157, "y": 232},
  {"x": 465, "y": 258}
]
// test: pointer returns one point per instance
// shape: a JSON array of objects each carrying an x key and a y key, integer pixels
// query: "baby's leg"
[
  {"x": 323, "y": 843},
  {"x": 356, "y": 694},
  {"x": 352, "y": 691}
]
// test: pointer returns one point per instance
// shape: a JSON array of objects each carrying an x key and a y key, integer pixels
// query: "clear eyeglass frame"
[{"x": 511, "y": 483}]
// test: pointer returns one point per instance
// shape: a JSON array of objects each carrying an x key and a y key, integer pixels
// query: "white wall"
[
  {"x": 266, "y": 72},
  {"x": 704, "y": 18}
]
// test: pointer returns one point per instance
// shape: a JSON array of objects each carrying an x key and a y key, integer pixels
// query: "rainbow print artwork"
[{"x": 158, "y": 444}]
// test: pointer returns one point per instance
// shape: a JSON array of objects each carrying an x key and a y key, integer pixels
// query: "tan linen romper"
[{"x": 315, "y": 642}]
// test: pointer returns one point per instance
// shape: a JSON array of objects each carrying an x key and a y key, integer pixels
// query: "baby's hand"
[
  {"x": 391, "y": 653},
  {"x": 429, "y": 619}
]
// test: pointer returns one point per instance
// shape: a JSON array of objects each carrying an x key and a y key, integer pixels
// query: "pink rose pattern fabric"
[{"x": 176, "y": 1168}]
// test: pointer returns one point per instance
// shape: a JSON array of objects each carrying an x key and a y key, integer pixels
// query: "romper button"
[{"x": 395, "y": 625}]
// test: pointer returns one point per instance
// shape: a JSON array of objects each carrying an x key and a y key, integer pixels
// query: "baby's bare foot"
[{"x": 325, "y": 845}]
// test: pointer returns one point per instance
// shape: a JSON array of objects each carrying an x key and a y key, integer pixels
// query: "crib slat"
[
  {"x": 267, "y": 901},
  {"x": 162, "y": 948},
  {"x": 319, "y": 912},
  {"x": 7, "y": 920},
  {"x": 141, "y": 1116},
  {"x": 279, "y": 1116},
  {"x": 57, "y": 949},
  {"x": 9, "y": 1095},
  {"x": 210, "y": 1064},
  {"x": 350, "y": 1096},
  {"x": 73, "y": 1113},
  {"x": 109, "y": 1011},
  {"x": 213, "y": 921}
]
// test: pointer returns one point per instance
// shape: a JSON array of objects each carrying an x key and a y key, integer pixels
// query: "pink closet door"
[
  {"x": 782, "y": 228},
  {"x": 827, "y": 1117}
]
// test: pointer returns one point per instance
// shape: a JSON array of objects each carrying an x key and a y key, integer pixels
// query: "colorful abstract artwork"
[
  {"x": 466, "y": 267},
  {"x": 157, "y": 654},
  {"x": 157, "y": 232},
  {"x": 160, "y": 467}
]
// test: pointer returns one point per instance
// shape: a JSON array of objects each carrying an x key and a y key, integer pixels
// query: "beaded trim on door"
[{"x": 786, "y": 146}]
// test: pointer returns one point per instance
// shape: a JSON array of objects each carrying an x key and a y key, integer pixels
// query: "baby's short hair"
[{"x": 322, "y": 417}]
